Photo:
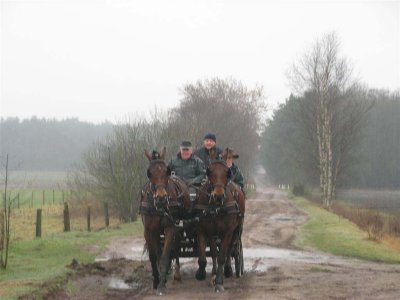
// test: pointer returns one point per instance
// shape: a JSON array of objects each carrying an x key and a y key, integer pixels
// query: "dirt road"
[{"x": 274, "y": 268}]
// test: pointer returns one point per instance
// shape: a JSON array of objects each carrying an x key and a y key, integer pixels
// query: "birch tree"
[{"x": 336, "y": 116}]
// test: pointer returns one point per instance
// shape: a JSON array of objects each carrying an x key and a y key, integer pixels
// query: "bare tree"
[
  {"x": 5, "y": 218},
  {"x": 114, "y": 170},
  {"x": 335, "y": 113},
  {"x": 226, "y": 107}
]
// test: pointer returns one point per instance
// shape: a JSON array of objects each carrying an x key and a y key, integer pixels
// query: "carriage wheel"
[{"x": 239, "y": 264}]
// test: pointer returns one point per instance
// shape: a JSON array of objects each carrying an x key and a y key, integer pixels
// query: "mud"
[{"x": 274, "y": 267}]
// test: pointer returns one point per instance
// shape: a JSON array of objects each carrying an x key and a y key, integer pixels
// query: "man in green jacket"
[
  {"x": 209, "y": 144},
  {"x": 188, "y": 167}
]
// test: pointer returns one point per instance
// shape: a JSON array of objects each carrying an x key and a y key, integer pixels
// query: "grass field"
[
  {"x": 35, "y": 261},
  {"x": 37, "y": 179},
  {"x": 328, "y": 232},
  {"x": 383, "y": 200}
]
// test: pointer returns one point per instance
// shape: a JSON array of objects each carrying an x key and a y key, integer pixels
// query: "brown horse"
[
  {"x": 220, "y": 207},
  {"x": 165, "y": 200}
]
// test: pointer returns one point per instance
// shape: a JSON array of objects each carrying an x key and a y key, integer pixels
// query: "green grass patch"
[
  {"x": 33, "y": 262},
  {"x": 328, "y": 232}
]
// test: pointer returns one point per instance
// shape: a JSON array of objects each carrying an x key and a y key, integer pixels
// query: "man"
[
  {"x": 209, "y": 145},
  {"x": 236, "y": 175},
  {"x": 188, "y": 167}
]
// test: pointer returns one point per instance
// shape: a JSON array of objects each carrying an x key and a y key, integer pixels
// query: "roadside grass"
[
  {"x": 33, "y": 262},
  {"x": 328, "y": 232}
]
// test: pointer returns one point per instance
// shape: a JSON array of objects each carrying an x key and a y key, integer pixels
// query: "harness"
[
  {"x": 148, "y": 204},
  {"x": 212, "y": 210}
]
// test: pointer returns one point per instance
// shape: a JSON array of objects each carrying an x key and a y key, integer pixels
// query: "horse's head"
[
  {"x": 158, "y": 174},
  {"x": 218, "y": 174}
]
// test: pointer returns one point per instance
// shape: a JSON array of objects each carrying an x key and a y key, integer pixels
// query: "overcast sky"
[{"x": 106, "y": 60}]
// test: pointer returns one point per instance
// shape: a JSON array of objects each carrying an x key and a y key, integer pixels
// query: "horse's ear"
[
  {"x": 147, "y": 154},
  {"x": 225, "y": 154},
  {"x": 168, "y": 171},
  {"x": 163, "y": 151}
]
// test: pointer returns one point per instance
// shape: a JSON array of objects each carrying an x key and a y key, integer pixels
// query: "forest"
[
  {"x": 373, "y": 161},
  {"x": 38, "y": 144}
]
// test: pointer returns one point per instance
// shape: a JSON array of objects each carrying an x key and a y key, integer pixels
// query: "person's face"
[
  {"x": 229, "y": 161},
  {"x": 186, "y": 153},
  {"x": 209, "y": 143}
]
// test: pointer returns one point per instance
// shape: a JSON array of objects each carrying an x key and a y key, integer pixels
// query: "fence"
[{"x": 37, "y": 213}]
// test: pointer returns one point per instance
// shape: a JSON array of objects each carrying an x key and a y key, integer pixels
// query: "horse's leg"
[
  {"x": 228, "y": 271},
  {"x": 223, "y": 251},
  {"x": 152, "y": 245},
  {"x": 202, "y": 261},
  {"x": 177, "y": 251},
  {"x": 213, "y": 251},
  {"x": 165, "y": 259}
]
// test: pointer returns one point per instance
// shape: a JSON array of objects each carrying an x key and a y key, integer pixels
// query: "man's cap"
[
  {"x": 186, "y": 145},
  {"x": 210, "y": 136}
]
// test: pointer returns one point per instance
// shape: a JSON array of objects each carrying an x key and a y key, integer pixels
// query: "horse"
[
  {"x": 220, "y": 207},
  {"x": 164, "y": 202}
]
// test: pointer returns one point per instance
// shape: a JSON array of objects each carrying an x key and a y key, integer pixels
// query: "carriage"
[{"x": 174, "y": 228}]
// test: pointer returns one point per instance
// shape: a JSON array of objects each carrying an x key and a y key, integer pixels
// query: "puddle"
[
  {"x": 134, "y": 253},
  {"x": 282, "y": 218},
  {"x": 119, "y": 284},
  {"x": 255, "y": 259}
]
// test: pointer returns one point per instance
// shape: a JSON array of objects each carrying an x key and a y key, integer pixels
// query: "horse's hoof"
[
  {"x": 161, "y": 291},
  {"x": 177, "y": 279},
  {"x": 200, "y": 275},
  {"x": 219, "y": 288},
  {"x": 155, "y": 285},
  {"x": 212, "y": 281},
  {"x": 228, "y": 272}
]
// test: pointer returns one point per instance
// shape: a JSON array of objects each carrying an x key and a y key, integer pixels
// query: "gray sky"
[{"x": 106, "y": 60}]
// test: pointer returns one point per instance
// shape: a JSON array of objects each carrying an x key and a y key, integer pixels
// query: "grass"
[
  {"x": 33, "y": 262},
  {"x": 328, "y": 232}
]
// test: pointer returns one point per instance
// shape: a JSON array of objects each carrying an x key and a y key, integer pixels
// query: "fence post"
[
  {"x": 44, "y": 197},
  {"x": 67, "y": 226},
  {"x": 88, "y": 218},
  {"x": 53, "y": 196},
  {"x": 2, "y": 232},
  {"x": 106, "y": 217},
  {"x": 39, "y": 222},
  {"x": 18, "y": 200}
]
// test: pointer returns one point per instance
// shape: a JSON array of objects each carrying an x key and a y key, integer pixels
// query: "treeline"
[
  {"x": 114, "y": 170},
  {"x": 48, "y": 144},
  {"x": 288, "y": 153}
]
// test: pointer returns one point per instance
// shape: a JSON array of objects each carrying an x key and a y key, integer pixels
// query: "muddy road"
[{"x": 274, "y": 268}]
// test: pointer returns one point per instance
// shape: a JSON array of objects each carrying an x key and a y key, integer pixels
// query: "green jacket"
[
  {"x": 237, "y": 176},
  {"x": 204, "y": 154},
  {"x": 192, "y": 170}
]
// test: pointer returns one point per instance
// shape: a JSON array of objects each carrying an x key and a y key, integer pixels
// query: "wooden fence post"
[
  {"x": 106, "y": 217},
  {"x": 39, "y": 222},
  {"x": 18, "y": 200},
  {"x": 88, "y": 218},
  {"x": 67, "y": 226},
  {"x": 44, "y": 197},
  {"x": 53, "y": 196}
]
